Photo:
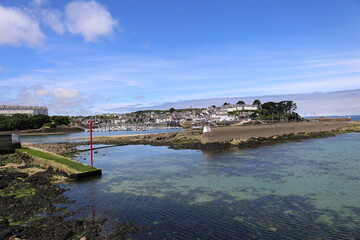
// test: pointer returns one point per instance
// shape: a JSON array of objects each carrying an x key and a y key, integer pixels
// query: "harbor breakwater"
[{"x": 235, "y": 136}]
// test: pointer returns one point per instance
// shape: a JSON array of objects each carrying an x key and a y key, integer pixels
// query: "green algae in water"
[
  {"x": 296, "y": 190},
  {"x": 18, "y": 192}
]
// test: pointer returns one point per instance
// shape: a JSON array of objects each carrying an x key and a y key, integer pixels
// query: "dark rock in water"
[
  {"x": 23, "y": 167},
  {"x": 3, "y": 185},
  {"x": 78, "y": 223},
  {"x": 10, "y": 176},
  {"x": 4, "y": 222}
]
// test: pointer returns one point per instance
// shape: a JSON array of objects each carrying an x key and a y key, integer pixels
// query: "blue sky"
[{"x": 84, "y": 57}]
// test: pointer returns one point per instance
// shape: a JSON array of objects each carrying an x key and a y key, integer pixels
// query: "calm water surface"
[
  {"x": 77, "y": 137},
  {"x": 296, "y": 190}
]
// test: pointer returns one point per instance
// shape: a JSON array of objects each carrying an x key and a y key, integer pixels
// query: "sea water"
[
  {"x": 80, "y": 136},
  {"x": 296, "y": 190}
]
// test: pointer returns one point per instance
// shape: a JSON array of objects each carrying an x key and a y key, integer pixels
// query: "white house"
[
  {"x": 236, "y": 107},
  {"x": 31, "y": 110},
  {"x": 251, "y": 107}
]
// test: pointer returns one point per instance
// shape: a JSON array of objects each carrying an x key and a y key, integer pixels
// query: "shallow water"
[{"x": 295, "y": 190}]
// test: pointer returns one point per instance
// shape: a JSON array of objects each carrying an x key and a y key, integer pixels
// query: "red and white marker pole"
[{"x": 91, "y": 146}]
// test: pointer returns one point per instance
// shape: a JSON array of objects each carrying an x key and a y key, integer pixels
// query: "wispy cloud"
[
  {"x": 117, "y": 78},
  {"x": 309, "y": 104},
  {"x": 138, "y": 97}
]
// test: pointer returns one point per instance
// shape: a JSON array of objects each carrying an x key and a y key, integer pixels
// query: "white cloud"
[
  {"x": 65, "y": 93},
  {"x": 53, "y": 19},
  {"x": 18, "y": 29},
  {"x": 89, "y": 19},
  {"x": 41, "y": 92}
]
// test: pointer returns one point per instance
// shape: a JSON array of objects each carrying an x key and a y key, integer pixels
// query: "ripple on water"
[{"x": 296, "y": 190}]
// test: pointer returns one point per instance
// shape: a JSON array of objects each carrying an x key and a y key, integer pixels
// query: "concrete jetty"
[
  {"x": 73, "y": 169},
  {"x": 9, "y": 142}
]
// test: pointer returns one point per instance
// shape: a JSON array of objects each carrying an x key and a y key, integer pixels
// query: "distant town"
[{"x": 226, "y": 114}]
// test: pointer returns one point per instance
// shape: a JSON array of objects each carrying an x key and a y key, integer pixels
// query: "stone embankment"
[
  {"x": 235, "y": 136},
  {"x": 71, "y": 168}
]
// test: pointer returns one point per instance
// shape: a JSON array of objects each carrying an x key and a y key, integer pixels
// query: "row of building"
[
  {"x": 31, "y": 110},
  {"x": 229, "y": 112},
  {"x": 225, "y": 113}
]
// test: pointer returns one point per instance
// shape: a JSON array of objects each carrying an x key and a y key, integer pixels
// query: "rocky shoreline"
[
  {"x": 195, "y": 139},
  {"x": 46, "y": 131},
  {"x": 28, "y": 199}
]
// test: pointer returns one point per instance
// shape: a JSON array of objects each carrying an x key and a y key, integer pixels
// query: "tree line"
[
  {"x": 284, "y": 110},
  {"x": 25, "y": 121}
]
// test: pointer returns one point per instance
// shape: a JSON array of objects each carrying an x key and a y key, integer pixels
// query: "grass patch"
[
  {"x": 25, "y": 192},
  {"x": 18, "y": 193},
  {"x": 9, "y": 169},
  {"x": 16, "y": 223},
  {"x": 58, "y": 159},
  {"x": 11, "y": 158}
]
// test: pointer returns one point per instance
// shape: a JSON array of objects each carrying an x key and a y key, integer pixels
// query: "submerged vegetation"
[
  {"x": 28, "y": 206},
  {"x": 287, "y": 191}
]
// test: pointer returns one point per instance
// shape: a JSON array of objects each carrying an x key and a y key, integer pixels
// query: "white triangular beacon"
[{"x": 207, "y": 129}]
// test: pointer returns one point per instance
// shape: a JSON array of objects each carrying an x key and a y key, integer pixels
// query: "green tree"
[
  {"x": 226, "y": 103},
  {"x": 257, "y": 102},
  {"x": 61, "y": 120},
  {"x": 171, "y": 110},
  {"x": 277, "y": 111},
  {"x": 287, "y": 106},
  {"x": 19, "y": 122},
  {"x": 37, "y": 121},
  {"x": 240, "y": 103},
  {"x": 270, "y": 107},
  {"x": 4, "y": 121}
]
